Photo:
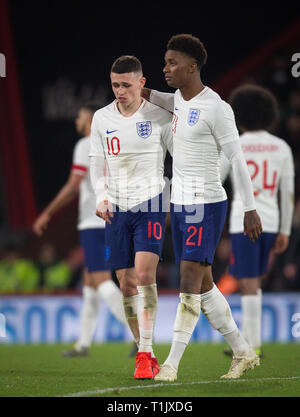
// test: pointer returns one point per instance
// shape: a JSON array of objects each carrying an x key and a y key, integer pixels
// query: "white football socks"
[
  {"x": 131, "y": 313},
  {"x": 217, "y": 310},
  {"x": 110, "y": 293},
  {"x": 251, "y": 318},
  {"x": 187, "y": 316},
  {"x": 89, "y": 316},
  {"x": 146, "y": 316}
]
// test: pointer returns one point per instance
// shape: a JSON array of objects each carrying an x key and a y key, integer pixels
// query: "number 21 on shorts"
[{"x": 195, "y": 236}]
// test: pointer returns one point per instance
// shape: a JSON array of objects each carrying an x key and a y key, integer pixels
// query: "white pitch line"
[{"x": 173, "y": 384}]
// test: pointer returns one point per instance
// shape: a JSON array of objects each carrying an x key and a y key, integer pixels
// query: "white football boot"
[
  {"x": 166, "y": 373},
  {"x": 241, "y": 364}
]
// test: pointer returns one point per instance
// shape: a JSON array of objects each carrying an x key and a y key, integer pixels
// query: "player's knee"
[
  {"x": 128, "y": 284},
  {"x": 190, "y": 269},
  {"x": 145, "y": 277},
  {"x": 249, "y": 286},
  {"x": 127, "y": 288},
  {"x": 191, "y": 276}
]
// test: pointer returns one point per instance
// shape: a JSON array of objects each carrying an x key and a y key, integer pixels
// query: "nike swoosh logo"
[
  {"x": 190, "y": 250},
  {"x": 176, "y": 108},
  {"x": 108, "y": 132}
]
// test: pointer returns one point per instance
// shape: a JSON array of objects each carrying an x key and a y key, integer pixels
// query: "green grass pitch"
[{"x": 41, "y": 371}]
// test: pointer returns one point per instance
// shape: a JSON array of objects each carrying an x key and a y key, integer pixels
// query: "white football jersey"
[
  {"x": 269, "y": 158},
  {"x": 87, "y": 218},
  {"x": 200, "y": 126},
  {"x": 134, "y": 149}
]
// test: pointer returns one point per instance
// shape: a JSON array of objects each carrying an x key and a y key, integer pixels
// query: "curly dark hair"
[
  {"x": 126, "y": 63},
  {"x": 189, "y": 45},
  {"x": 254, "y": 107}
]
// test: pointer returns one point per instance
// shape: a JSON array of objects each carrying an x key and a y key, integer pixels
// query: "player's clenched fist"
[{"x": 105, "y": 210}]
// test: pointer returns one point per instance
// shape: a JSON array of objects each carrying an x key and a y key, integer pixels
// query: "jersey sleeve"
[
  {"x": 222, "y": 123},
  {"x": 288, "y": 166},
  {"x": 80, "y": 161},
  {"x": 224, "y": 167},
  {"x": 167, "y": 134},
  {"x": 96, "y": 146},
  {"x": 97, "y": 163},
  {"x": 287, "y": 191},
  {"x": 164, "y": 100},
  {"x": 233, "y": 152}
]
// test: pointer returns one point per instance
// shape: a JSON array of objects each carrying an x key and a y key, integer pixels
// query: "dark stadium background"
[{"x": 59, "y": 55}]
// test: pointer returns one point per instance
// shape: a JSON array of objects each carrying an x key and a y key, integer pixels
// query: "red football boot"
[
  {"x": 143, "y": 368},
  {"x": 155, "y": 366}
]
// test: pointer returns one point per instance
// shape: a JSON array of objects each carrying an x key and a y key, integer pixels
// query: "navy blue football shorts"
[
  {"x": 92, "y": 242},
  {"x": 141, "y": 229},
  {"x": 196, "y": 230},
  {"x": 250, "y": 259}
]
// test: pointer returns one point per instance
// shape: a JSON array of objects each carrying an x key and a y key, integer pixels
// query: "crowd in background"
[{"x": 47, "y": 271}]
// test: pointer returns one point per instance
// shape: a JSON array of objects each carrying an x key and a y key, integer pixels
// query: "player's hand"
[
  {"x": 252, "y": 225},
  {"x": 41, "y": 224},
  {"x": 146, "y": 93},
  {"x": 281, "y": 243},
  {"x": 105, "y": 211}
]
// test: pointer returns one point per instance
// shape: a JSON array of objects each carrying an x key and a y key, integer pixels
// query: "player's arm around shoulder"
[{"x": 161, "y": 99}]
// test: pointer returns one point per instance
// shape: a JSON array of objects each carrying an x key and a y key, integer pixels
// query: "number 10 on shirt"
[{"x": 113, "y": 145}]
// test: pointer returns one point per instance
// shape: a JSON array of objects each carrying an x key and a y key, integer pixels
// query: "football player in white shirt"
[
  {"x": 97, "y": 280},
  {"x": 203, "y": 125},
  {"x": 132, "y": 136},
  {"x": 271, "y": 166}
]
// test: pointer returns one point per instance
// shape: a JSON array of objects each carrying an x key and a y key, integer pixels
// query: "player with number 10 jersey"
[{"x": 132, "y": 137}]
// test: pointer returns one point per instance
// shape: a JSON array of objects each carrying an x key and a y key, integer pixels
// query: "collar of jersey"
[
  {"x": 143, "y": 103},
  {"x": 197, "y": 96}
]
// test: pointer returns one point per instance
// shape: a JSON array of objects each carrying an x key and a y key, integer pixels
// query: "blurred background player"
[
  {"x": 97, "y": 280},
  {"x": 132, "y": 136},
  {"x": 203, "y": 125},
  {"x": 271, "y": 166}
]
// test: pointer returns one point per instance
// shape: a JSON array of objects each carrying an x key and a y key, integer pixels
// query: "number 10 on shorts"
[{"x": 154, "y": 229}]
